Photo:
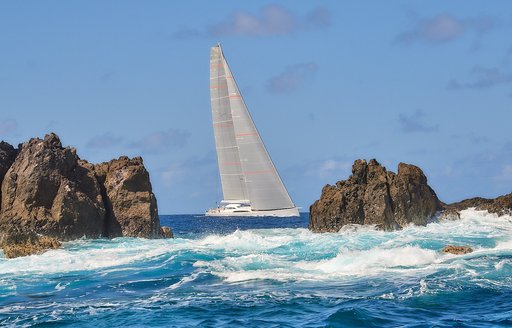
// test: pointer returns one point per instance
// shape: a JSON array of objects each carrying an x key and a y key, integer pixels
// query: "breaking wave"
[{"x": 276, "y": 271}]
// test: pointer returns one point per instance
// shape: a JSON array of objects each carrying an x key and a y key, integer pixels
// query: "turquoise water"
[{"x": 269, "y": 273}]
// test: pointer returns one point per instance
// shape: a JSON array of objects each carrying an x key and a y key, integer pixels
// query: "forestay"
[{"x": 246, "y": 169}]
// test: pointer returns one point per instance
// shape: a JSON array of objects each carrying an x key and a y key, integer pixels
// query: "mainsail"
[{"x": 246, "y": 169}]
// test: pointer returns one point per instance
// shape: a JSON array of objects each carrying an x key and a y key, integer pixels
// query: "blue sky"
[{"x": 327, "y": 82}]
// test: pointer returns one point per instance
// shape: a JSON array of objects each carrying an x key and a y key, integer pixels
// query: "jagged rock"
[
  {"x": 500, "y": 205},
  {"x": 449, "y": 215},
  {"x": 167, "y": 232},
  {"x": 457, "y": 250},
  {"x": 46, "y": 191},
  {"x": 129, "y": 200},
  {"x": 7, "y": 156},
  {"x": 375, "y": 196},
  {"x": 49, "y": 194},
  {"x": 17, "y": 244}
]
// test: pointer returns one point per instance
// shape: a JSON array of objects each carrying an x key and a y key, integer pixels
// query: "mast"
[
  {"x": 263, "y": 184},
  {"x": 230, "y": 167}
]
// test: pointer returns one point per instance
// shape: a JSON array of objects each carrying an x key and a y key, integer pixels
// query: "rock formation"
[
  {"x": 375, "y": 196},
  {"x": 48, "y": 194},
  {"x": 47, "y": 191},
  {"x": 7, "y": 156},
  {"x": 457, "y": 250},
  {"x": 28, "y": 243},
  {"x": 501, "y": 205},
  {"x": 130, "y": 202}
]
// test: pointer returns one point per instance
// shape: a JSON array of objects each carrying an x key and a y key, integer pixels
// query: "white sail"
[
  {"x": 232, "y": 178},
  {"x": 246, "y": 169}
]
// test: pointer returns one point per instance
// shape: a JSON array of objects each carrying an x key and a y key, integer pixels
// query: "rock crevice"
[
  {"x": 372, "y": 195},
  {"x": 48, "y": 194}
]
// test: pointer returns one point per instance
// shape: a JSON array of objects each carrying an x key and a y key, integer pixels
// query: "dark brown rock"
[
  {"x": 17, "y": 244},
  {"x": 457, "y": 250},
  {"x": 450, "y": 214},
  {"x": 375, "y": 196},
  {"x": 7, "y": 156},
  {"x": 167, "y": 232},
  {"x": 49, "y": 194},
  {"x": 47, "y": 191},
  {"x": 129, "y": 200},
  {"x": 500, "y": 205}
]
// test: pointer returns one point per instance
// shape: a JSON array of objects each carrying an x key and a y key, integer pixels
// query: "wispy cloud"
[
  {"x": 271, "y": 20},
  {"x": 415, "y": 123},
  {"x": 444, "y": 28},
  {"x": 191, "y": 168},
  {"x": 482, "y": 78},
  {"x": 107, "y": 76},
  {"x": 161, "y": 140},
  {"x": 292, "y": 78},
  {"x": 106, "y": 140},
  {"x": 8, "y": 126},
  {"x": 333, "y": 168},
  {"x": 506, "y": 173}
]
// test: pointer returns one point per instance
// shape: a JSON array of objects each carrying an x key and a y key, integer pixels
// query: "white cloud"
[
  {"x": 444, "y": 28},
  {"x": 271, "y": 20}
]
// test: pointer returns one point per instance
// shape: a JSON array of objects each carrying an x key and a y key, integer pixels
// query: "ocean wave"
[{"x": 284, "y": 253}]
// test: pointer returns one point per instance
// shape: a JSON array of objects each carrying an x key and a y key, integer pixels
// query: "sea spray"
[{"x": 237, "y": 273}]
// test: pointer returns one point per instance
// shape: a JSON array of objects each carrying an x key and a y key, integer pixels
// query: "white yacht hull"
[{"x": 287, "y": 212}]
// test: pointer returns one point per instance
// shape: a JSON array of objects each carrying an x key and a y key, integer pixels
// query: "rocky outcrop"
[
  {"x": 47, "y": 191},
  {"x": 48, "y": 194},
  {"x": 18, "y": 244},
  {"x": 7, "y": 156},
  {"x": 129, "y": 199},
  {"x": 501, "y": 205},
  {"x": 167, "y": 232},
  {"x": 373, "y": 195},
  {"x": 457, "y": 250}
]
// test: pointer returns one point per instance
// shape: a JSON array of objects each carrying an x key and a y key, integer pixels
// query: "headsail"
[{"x": 234, "y": 128}]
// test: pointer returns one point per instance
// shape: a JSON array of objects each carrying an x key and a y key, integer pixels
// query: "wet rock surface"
[
  {"x": 372, "y": 195},
  {"x": 501, "y": 205},
  {"x": 131, "y": 205},
  {"x": 47, "y": 191},
  {"x": 18, "y": 244},
  {"x": 48, "y": 194},
  {"x": 457, "y": 250}
]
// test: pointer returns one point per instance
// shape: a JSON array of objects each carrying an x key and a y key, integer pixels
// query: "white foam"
[
  {"x": 71, "y": 258},
  {"x": 373, "y": 261},
  {"x": 288, "y": 254}
]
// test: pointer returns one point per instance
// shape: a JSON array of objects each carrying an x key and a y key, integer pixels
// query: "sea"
[{"x": 269, "y": 272}]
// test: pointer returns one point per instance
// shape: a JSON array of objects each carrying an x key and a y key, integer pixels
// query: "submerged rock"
[
  {"x": 457, "y": 250},
  {"x": 375, "y": 196},
  {"x": 450, "y": 214},
  {"x": 167, "y": 232}
]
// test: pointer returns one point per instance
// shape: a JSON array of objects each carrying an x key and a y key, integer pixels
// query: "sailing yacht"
[{"x": 251, "y": 185}]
